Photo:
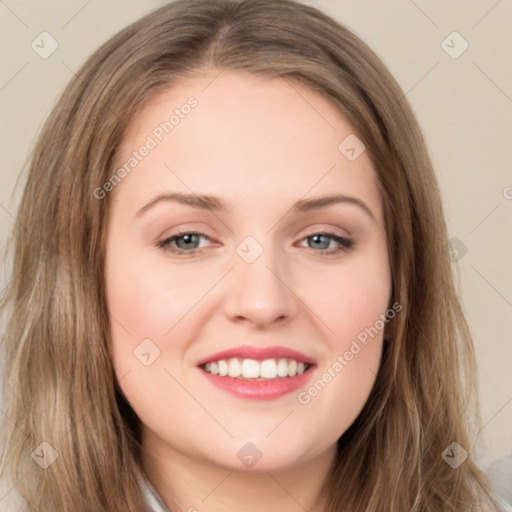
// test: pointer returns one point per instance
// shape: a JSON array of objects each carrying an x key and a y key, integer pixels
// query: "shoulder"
[
  {"x": 10, "y": 499},
  {"x": 499, "y": 472}
]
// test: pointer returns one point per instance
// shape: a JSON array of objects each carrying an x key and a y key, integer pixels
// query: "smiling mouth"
[{"x": 252, "y": 369}]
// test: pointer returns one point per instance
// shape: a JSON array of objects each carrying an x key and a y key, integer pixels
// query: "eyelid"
[
  {"x": 184, "y": 229},
  {"x": 328, "y": 231}
]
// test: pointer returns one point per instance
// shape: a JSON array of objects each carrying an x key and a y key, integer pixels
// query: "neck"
[{"x": 193, "y": 485}]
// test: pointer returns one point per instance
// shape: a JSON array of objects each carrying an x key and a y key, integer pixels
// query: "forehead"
[{"x": 244, "y": 138}]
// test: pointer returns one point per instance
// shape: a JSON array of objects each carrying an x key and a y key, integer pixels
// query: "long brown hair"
[{"x": 59, "y": 384}]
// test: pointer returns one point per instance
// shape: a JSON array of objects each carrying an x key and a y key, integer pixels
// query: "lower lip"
[{"x": 259, "y": 389}]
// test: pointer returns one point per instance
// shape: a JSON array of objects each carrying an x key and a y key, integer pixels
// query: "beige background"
[{"x": 464, "y": 105}]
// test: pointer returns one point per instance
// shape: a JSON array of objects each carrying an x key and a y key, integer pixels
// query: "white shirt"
[
  {"x": 153, "y": 499},
  {"x": 498, "y": 470}
]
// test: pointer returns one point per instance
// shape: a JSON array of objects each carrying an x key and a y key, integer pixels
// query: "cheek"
[
  {"x": 353, "y": 315},
  {"x": 148, "y": 301},
  {"x": 354, "y": 351},
  {"x": 351, "y": 303},
  {"x": 145, "y": 304}
]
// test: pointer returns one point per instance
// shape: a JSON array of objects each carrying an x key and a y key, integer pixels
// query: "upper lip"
[{"x": 258, "y": 353}]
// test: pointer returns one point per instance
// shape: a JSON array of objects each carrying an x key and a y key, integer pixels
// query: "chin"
[{"x": 261, "y": 455}]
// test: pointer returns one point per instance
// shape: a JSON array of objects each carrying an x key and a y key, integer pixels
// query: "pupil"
[
  {"x": 187, "y": 239},
  {"x": 316, "y": 238}
]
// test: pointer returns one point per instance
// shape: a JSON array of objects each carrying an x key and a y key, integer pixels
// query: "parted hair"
[{"x": 59, "y": 382}]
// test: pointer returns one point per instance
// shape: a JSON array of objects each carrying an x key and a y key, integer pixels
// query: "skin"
[{"x": 259, "y": 145}]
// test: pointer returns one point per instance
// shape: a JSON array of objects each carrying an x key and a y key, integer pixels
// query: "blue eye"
[
  {"x": 188, "y": 239},
  {"x": 344, "y": 244},
  {"x": 185, "y": 243}
]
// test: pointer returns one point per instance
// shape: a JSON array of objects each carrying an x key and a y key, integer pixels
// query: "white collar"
[{"x": 152, "y": 498}]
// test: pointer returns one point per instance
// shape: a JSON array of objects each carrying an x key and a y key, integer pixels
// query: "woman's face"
[{"x": 252, "y": 260}]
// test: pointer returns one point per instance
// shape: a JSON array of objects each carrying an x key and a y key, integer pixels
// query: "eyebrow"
[{"x": 211, "y": 203}]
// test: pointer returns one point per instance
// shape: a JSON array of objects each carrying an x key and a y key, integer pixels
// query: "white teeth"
[
  {"x": 223, "y": 368},
  {"x": 235, "y": 368},
  {"x": 252, "y": 369},
  {"x": 268, "y": 369},
  {"x": 282, "y": 368}
]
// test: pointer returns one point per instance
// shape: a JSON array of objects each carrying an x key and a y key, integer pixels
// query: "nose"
[{"x": 260, "y": 293}]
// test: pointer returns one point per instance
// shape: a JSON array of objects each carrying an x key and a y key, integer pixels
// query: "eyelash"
[{"x": 345, "y": 243}]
